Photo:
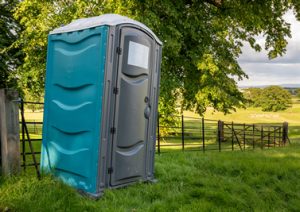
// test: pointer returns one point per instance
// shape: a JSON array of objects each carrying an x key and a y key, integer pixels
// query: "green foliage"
[
  {"x": 10, "y": 56},
  {"x": 272, "y": 98},
  {"x": 275, "y": 99},
  {"x": 254, "y": 96},
  {"x": 192, "y": 181},
  {"x": 202, "y": 41}
]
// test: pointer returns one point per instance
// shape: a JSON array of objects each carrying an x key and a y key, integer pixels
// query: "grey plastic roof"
[{"x": 107, "y": 19}]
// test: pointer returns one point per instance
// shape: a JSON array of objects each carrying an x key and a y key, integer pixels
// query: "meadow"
[
  {"x": 256, "y": 116},
  {"x": 256, "y": 180},
  {"x": 267, "y": 180}
]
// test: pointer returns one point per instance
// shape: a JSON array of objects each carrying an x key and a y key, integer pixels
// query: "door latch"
[{"x": 119, "y": 50}]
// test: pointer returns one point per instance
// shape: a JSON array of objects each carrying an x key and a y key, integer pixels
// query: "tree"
[
  {"x": 275, "y": 98},
  {"x": 254, "y": 96},
  {"x": 272, "y": 98},
  {"x": 202, "y": 41},
  {"x": 10, "y": 56}
]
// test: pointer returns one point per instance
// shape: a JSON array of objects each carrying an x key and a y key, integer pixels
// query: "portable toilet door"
[
  {"x": 134, "y": 107},
  {"x": 102, "y": 85}
]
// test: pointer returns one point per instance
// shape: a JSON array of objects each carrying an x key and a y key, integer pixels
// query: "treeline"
[
  {"x": 272, "y": 98},
  {"x": 201, "y": 43}
]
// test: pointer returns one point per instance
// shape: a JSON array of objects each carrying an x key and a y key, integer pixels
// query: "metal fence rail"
[
  {"x": 190, "y": 133},
  {"x": 200, "y": 134}
]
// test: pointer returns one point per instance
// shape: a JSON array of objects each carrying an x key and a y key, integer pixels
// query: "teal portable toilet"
[{"x": 101, "y": 95}]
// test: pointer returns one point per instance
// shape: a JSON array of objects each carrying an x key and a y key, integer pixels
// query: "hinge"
[
  {"x": 110, "y": 170},
  {"x": 113, "y": 130},
  {"x": 116, "y": 90},
  {"x": 119, "y": 50}
]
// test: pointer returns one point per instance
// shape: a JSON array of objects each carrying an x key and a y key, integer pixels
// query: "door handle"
[{"x": 147, "y": 111}]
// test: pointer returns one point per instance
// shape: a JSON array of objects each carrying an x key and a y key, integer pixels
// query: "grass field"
[
  {"x": 249, "y": 116},
  {"x": 256, "y": 116},
  {"x": 257, "y": 180},
  {"x": 267, "y": 180}
]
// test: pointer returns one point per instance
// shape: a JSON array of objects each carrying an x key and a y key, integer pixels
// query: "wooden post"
[
  {"x": 285, "y": 128},
  {"x": 9, "y": 132}
]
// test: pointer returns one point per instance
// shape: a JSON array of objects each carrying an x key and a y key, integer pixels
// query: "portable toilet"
[{"x": 101, "y": 95}]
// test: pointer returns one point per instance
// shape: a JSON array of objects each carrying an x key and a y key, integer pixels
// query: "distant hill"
[
  {"x": 290, "y": 87},
  {"x": 263, "y": 86}
]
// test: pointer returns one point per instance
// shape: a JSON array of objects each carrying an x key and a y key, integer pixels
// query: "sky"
[{"x": 282, "y": 70}]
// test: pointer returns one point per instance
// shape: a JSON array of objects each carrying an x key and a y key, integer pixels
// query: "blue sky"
[{"x": 283, "y": 70}]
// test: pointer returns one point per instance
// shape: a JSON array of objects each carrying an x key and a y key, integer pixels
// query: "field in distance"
[{"x": 256, "y": 116}]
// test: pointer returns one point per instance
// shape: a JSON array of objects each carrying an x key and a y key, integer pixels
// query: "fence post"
[
  {"x": 285, "y": 128},
  {"x": 182, "y": 132},
  {"x": 203, "y": 135},
  {"x": 9, "y": 132},
  {"x": 158, "y": 135},
  {"x": 220, "y": 133}
]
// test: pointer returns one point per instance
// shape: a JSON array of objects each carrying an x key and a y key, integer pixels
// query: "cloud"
[
  {"x": 282, "y": 70},
  {"x": 271, "y": 74}
]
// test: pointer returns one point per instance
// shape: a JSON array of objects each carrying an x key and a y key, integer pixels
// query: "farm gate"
[{"x": 199, "y": 134}]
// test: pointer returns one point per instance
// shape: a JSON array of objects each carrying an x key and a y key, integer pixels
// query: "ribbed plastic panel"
[{"x": 74, "y": 89}]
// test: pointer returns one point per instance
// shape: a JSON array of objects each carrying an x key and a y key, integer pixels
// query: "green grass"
[{"x": 257, "y": 180}]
